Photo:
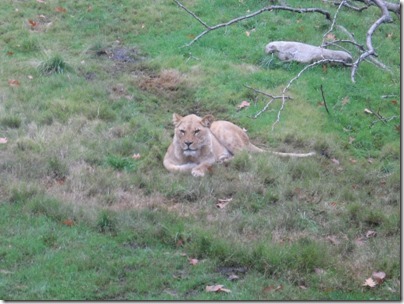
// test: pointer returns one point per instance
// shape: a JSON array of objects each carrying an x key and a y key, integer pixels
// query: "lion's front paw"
[
  {"x": 197, "y": 172},
  {"x": 224, "y": 158}
]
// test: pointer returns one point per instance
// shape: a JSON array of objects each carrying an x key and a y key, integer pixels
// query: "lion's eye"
[
  {"x": 182, "y": 132},
  {"x": 196, "y": 131}
]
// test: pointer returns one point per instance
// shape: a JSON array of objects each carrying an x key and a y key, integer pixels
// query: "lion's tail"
[
  {"x": 294, "y": 154},
  {"x": 253, "y": 148}
]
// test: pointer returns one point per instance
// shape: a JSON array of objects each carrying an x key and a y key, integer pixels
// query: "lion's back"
[{"x": 229, "y": 135}]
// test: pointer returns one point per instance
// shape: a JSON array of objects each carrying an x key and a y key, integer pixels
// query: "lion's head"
[{"x": 192, "y": 134}]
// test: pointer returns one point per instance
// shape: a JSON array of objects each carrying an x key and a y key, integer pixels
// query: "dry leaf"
[
  {"x": 302, "y": 287},
  {"x": 370, "y": 282},
  {"x": 345, "y": 100},
  {"x": 333, "y": 239},
  {"x": 335, "y": 161},
  {"x": 330, "y": 36},
  {"x": 223, "y": 202},
  {"x": 60, "y": 9},
  {"x": 272, "y": 288},
  {"x": 370, "y": 234},
  {"x": 216, "y": 288},
  {"x": 32, "y": 23},
  {"x": 367, "y": 111},
  {"x": 3, "y": 140},
  {"x": 136, "y": 156},
  {"x": 370, "y": 160},
  {"x": 352, "y": 160},
  {"x": 351, "y": 139},
  {"x": 394, "y": 102},
  {"x": 13, "y": 83},
  {"x": 68, "y": 222},
  {"x": 193, "y": 261},
  {"x": 379, "y": 276},
  {"x": 333, "y": 204},
  {"x": 243, "y": 104},
  {"x": 40, "y": 1},
  {"x": 233, "y": 277},
  {"x": 247, "y": 33}
]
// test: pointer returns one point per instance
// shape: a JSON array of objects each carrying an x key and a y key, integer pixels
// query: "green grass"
[{"x": 98, "y": 83}]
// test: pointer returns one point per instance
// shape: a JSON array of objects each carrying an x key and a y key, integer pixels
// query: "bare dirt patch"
[{"x": 165, "y": 83}]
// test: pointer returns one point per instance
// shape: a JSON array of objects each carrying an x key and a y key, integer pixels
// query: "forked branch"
[{"x": 251, "y": 15}]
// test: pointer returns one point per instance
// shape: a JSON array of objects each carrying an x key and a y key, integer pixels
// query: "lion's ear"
[
  {"x": 176, "y": 118},
  {"x": 207, "y": 120}
]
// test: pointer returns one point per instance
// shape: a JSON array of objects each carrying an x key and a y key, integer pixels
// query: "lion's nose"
[{"x": 188, "y": 143}]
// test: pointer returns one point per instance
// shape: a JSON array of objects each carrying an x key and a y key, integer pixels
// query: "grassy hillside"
[{"x": 88, "y": 85}]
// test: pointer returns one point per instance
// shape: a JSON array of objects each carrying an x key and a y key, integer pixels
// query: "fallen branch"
[
  {"x": 269, "y": 102},
  {"x": 235, "y": 20},
  {"x": 385, "y": 18},
  {"x": 295, "y": 78}
]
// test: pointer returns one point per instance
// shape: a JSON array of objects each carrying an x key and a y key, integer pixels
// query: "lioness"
[{"x": 199, "y": 143}]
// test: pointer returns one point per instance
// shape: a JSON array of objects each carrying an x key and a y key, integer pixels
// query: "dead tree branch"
[
  {"x": 385, "y": 18},
  {"x": 235, "y": 20}
]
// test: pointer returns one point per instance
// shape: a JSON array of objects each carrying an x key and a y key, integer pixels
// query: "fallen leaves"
[
  {"x": 60, "y": 9},
  {"x": 136, "y": 156},
  {"x": 369, "y": 234},
  {"x": 68, "y": 222},
  {"x": 377, "y": 278},
  {"x": 14, "y": 83},
  {"x": 242, "y": 105},
  {"x": 272, "y": 288},
  {"x": 223, "y": 202},
  {"x": 216, "y": 288},
  {"x": 193, "y": 261},
  {"x": 370, "y": 283},
  {"x": 32, "y": 23}
]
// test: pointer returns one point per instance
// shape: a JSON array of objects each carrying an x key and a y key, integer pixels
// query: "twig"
[
  {"x": 358, "y": 9},
  {"x": 333, "y": 21},
  {"x": 269, "y": 102},
  {"x": 267, "y": 94},
  {"x": 191, "y": 13},
  {"x": 264, "y": 108},
  {"x": 296, "y": 77},
  {"x": 265, "y": 9},
  {"x": 325, "y": 104}
]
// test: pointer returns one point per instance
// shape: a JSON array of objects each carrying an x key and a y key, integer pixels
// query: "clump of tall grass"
[{"x": 54, "y": 65}]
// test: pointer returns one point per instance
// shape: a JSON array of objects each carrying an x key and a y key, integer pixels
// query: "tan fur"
[{"x": 199, "y": 143}]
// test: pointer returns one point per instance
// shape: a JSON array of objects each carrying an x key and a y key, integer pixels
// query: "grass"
[{"x": 84, "y": 220}]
